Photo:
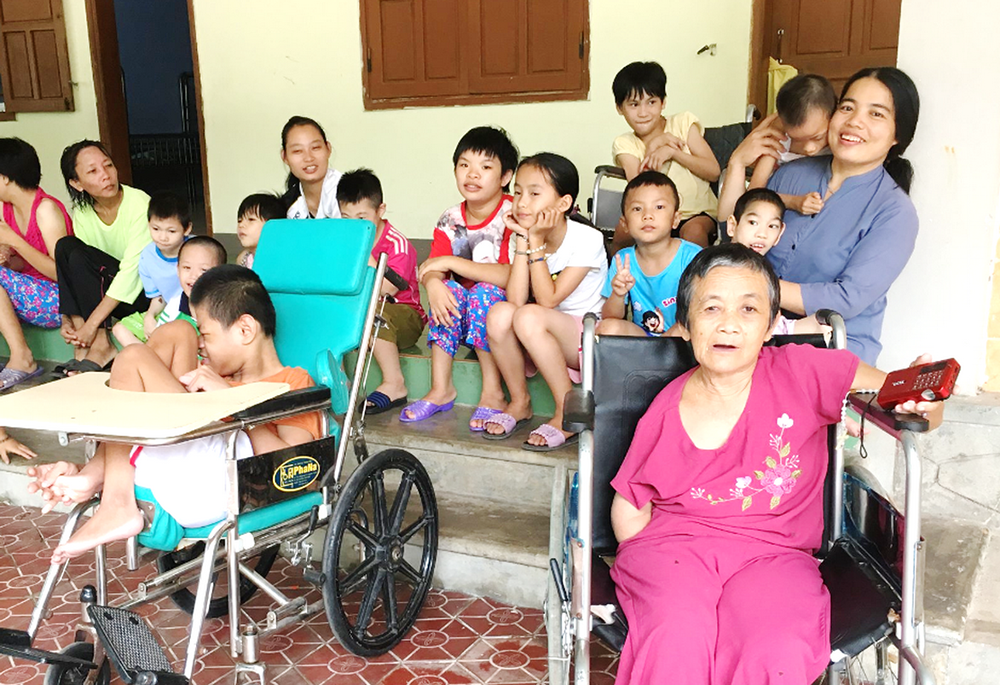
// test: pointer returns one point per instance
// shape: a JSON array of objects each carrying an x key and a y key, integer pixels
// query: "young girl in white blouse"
[{"x": 557, "y": 273}]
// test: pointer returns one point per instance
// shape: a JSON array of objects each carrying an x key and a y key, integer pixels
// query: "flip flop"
[
  {"x": 79, "y": 366},
  {"x": 422, "y": 409},
  {"x": 505, "y": 421},
  {"x": 482, "y": 414},
  {"x": 381, "y": 403},
  {"x": 554, "y": 439},
  {"x": 10, "y": 377}
]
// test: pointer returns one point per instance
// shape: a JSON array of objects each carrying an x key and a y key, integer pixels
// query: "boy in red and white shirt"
[{"x": 359, "y": 195}]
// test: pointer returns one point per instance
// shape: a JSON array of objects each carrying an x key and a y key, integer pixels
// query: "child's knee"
[
  {"x": 530, "y": 321},
  {"x": 500, "y": 318}
]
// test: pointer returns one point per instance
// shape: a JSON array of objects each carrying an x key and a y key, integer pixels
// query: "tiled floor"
[{"x": 456, "y": 639}]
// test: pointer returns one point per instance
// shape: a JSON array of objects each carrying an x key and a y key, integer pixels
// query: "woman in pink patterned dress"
[
  {"x": 719, "y": 501},
  {"x": 32, "y": 222}
]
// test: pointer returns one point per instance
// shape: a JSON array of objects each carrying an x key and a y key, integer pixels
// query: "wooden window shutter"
[
  {"x": 413, "y": 47},
  {"x": 529, "y": 45},
  {"x": 34, "y": 59},
  {"x": 447, "y": 52}
]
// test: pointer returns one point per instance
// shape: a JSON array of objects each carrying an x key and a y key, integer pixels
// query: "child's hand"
[
  {"x": 545, "y": 221},
  {"x": 665, "y": 139},
  {"x": 809, "y": 204},
  {"x": 45, "y": 484},
  {"x": 444, "y": 306},
  {"x": 67, "y": 330},
  {"x": 203, "y": 379},
  {"x": 511, "y": 223},
  {"x": 623, "y": 281},
  {"x": 766, "y": 139},
  {"x": 655, "y": 159},
  {"x": 932, "y": 411},
  {"x": 441, "y": 265},
  {"x": 9, "y": 446}
]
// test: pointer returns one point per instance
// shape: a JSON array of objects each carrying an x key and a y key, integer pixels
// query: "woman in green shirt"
[{"x": 98, "y": 267}]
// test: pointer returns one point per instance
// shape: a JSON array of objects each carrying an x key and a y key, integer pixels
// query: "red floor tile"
[{"x": 457, "y": 639}]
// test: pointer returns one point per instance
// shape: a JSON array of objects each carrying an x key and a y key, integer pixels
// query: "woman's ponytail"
[{"x": 901, "y": 171}]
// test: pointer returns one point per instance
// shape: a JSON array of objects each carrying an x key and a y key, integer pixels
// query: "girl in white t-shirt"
[
  {"x": 561, "y": 265},
  {"x": 311, "y": 191}
]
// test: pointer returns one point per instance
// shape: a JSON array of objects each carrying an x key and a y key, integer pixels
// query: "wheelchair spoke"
[
  {"x": 363, "y": 535},
  {"x": 379, "y": 508},
  {"x": 368, "y": 603},
  {"x": 354, "y": 578},
  {"x": 389, "y": 601},
  {"x": 410, "y": 573},
  {"x": 415, "y": 528},
  {"x": 399, "y": 503}
]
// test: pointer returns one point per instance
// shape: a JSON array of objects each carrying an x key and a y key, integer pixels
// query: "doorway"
[
  {"x": 148, "y": 99},
  {"x": 834, "y": 38}
]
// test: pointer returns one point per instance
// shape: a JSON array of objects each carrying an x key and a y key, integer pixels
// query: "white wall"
[
  {"x": 50, "y": 132},
  {"x": 268, "y": 61},
  {"x": 941, "y": 301}
]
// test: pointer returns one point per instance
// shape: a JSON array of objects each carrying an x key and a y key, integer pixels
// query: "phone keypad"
[{"x": 928, "y": 380}]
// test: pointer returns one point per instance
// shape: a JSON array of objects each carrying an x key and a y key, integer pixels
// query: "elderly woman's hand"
[{"x": 932, "y": 411}]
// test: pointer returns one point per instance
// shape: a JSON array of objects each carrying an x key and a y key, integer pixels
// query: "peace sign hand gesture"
[{"x": 623, "y": 280}]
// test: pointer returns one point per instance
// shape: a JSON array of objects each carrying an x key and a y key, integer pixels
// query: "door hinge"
[
  {"x": 368, "y": 61},
  {"x": 581, "y": 44}
]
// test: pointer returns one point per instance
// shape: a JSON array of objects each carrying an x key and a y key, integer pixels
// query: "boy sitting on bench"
[{"x": 188, "y": 479}]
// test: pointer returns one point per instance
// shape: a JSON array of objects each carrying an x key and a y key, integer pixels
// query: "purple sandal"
[
  {"x": 10, "y": 377},
  {"x": 422, "y": 409},
  {"x": 505, "y": 421},
  {"x": 482, "y": 414},
  {"x": 554, "y": 439}
]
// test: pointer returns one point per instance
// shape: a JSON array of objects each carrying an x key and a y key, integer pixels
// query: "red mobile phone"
[{"x": 934, "y": 381}]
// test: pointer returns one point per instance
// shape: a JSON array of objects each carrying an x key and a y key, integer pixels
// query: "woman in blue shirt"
[{"x": 847, "y": 256}]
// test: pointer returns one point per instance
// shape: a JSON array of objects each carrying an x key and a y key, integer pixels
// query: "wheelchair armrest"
[
  {"x": 287, "y": 404},
  {"x": 889, "y": 421},
  {"x": 612, "y": 171},
  {"x": 578, "y": 411}
]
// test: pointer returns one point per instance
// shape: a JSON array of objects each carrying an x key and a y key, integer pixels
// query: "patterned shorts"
[
  {"x": 470, "y": 328},
  {"x": 35, "y": 300}
]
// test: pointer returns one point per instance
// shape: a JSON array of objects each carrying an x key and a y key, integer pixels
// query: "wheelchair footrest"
[
  {"x": 17, "y": 644},
  {"x": 132, "y": 647}
]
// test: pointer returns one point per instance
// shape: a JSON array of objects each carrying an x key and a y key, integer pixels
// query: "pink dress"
[{"x": 721, "y": 587}]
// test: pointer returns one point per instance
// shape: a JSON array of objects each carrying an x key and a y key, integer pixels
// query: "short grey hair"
[{"x": 732, "y": 255}]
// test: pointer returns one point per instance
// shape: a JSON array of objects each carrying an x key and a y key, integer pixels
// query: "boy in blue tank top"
[{"x": 643, "y": 279}]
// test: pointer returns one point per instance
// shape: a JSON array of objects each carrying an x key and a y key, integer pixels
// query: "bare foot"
[{"x": 107, "y": 525}]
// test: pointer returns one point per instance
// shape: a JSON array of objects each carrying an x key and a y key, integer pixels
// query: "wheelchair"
[
  {"x": 377, "y": 561},
  {"x": 605, "y": 203},
  {"x": 872, "y": 554}
]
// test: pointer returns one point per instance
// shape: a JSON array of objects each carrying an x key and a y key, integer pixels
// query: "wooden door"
[
  {"x": 834, "y": 38},
  {"x": 112, "y": 118}
]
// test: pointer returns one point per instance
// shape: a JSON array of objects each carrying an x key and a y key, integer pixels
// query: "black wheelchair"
[
  {"x": 872, "y": 554},
  {"x": 377, "y": 561}
]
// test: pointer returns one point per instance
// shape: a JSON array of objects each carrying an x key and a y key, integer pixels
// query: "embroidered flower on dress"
[{"x": 778, "y": 480}]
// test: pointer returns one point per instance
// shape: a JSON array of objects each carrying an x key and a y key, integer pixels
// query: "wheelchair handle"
[
  {"x": 397, "y": 281},
  {"x": 828, "y": 317}
]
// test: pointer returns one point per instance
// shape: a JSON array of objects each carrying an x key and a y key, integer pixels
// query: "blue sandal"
[{"x": 378, "y": 402}]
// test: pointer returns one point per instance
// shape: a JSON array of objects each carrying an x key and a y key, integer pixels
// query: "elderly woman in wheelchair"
[
  {"x": 719, "y": 502},
  {"x": 225, "y": 478}
]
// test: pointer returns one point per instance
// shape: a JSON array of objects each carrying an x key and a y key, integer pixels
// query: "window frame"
[{"x": 368, "y": 72}]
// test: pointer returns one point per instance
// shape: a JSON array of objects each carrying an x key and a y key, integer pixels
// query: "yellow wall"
[
  {"x": 50, "y": 132},
  {"x": 268, "y": 61}
]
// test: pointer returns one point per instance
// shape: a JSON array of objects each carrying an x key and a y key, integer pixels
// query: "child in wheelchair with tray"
[
  {"x": 185, "y": 484},
  {"x": 242, "y": 481}
]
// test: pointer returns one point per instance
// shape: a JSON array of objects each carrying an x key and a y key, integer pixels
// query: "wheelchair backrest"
[
  {"x": 628, "y": 374},
  {"x": 317, "y": 274}
]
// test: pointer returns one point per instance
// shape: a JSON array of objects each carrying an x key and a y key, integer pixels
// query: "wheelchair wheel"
[
  {"x": 60, "y": 674},
  {"x": 217, "y": 606},
  {"x": 380, "y": 552}
]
